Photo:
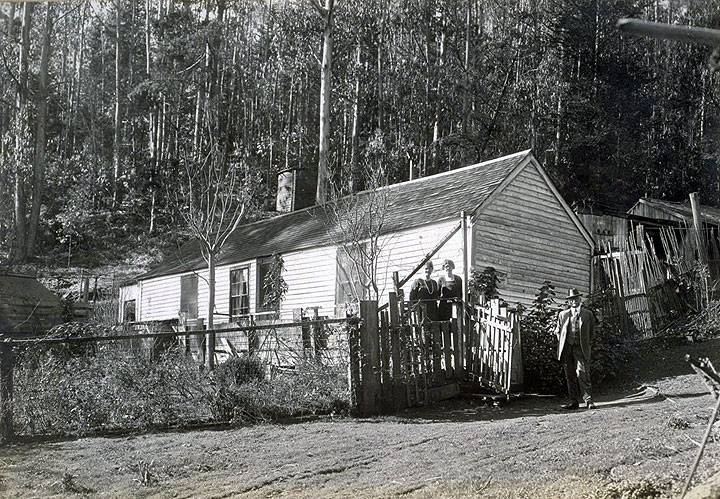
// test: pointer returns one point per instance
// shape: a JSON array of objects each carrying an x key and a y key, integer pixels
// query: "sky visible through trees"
[{"x": 101, "y": 102}]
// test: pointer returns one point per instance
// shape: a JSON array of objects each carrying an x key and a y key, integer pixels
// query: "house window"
[
  {"x": 129, "y": 311},
  {"x": 189, "y": 296},
  {"x": 348, "y": 284},
  {"x": 239, "y": 292},
  {"x": 264, "y": 266}
]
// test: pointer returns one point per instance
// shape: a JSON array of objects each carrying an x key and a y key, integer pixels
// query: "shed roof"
[
  {"x": 676, "y": 211},
  {"x": 26, "y": 305},
  {"x": 411, "y": 204}
]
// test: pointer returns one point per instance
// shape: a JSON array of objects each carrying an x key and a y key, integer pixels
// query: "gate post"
[
  {"x": 370, "y": 356},
  {"x": 6, "y": 392}
]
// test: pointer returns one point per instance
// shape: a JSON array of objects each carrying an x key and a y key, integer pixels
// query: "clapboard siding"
[
  {"x": 310, "y": 277},
  {"x": 526, "y": 233},
  {"x": 404, "y": 250}
]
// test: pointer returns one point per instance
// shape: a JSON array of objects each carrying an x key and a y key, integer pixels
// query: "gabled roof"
[
  {"x": 677, "y": 211},
  {"x": 26, "y": 305},
  {"x": 414, "y": 203}
]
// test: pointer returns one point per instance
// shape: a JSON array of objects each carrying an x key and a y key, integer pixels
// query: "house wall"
[
  {"x": 310, "y": 275},
  {"x": 606, "y": 229},
  {"x": 404, "y": 250},
  {"x": 526, "y": 234}
]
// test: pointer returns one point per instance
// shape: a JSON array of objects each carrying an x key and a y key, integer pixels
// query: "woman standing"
[
  {"x": 424, "y": 295},
  {"x": 450, "y": 290}
]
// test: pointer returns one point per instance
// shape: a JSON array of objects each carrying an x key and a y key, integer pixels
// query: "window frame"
[
  {"x": 185, "y": 278},
  {"x": 126, "y": 303},
  {"x": 240, "y": 268}
]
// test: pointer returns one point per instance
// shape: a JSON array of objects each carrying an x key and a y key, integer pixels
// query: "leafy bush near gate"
[
  {"x": 543, "y": 373},
  {"x": 612, "y": 354}
]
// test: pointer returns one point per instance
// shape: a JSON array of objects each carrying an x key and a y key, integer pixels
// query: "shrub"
[
  {"x": 239, "y": 370},
  {"x": 111, "y": 389},
  {"x": 613, "y": 351},
  {"x": 543, "y": 372},
  {"x": 311, "y": 388},
  {"x": 483, "y": 286}
]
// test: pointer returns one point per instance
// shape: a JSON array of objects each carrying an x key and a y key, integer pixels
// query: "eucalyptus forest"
[{"x": 103, "y": 104}]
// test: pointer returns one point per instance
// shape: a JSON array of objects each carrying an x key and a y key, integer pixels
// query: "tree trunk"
[
  {"x": 321, "y": 195},
  {"x": 116, "y": 138},
  {"x": 210, "y": 352},
  {"x": 354, "y": 164},
  {"x": 22, "y": 136},
  {"x": 40, "y": 142}
]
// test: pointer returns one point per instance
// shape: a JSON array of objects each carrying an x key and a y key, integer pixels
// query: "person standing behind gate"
[
  {"x": 450, "y": 290},
  {"x": 574, "y": 330},
  {"x": 424, "y": 295}
]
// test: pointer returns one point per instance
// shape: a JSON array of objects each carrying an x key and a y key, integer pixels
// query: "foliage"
[
  {"x": 483, "y": 286},
  {"x": 274, "y": 284},
  {"x": 613, "y": 351},
  {"x": 130, "y": 386},
  {"x": 611, "y": 118},
  {"x": 542, "y": 370},
  {"x": 309, "y": 389},
  {"x": 110, "y": 390}
]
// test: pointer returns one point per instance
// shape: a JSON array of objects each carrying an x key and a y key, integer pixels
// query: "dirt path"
[{"x": 632, "y": 442}]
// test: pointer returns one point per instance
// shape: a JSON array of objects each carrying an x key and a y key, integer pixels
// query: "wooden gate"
[
  {"x": 496, "y": 357},
  {"x": 396, "y": 362}
]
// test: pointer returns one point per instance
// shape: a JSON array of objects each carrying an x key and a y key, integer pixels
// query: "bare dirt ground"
[{"x": 638, "y": 443}]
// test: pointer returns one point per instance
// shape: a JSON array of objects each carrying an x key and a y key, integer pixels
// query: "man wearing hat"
[{"x": 574, "y": 329}]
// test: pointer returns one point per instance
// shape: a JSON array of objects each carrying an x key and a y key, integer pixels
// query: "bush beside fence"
[{"x": 117, "y": 383}]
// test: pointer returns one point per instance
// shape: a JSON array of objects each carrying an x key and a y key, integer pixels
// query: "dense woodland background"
[{"x": 103, "y": 104}]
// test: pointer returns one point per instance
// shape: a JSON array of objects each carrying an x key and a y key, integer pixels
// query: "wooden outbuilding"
[
  {"x": 26, "y": 306},
  {"x": 505, "y": 213}
]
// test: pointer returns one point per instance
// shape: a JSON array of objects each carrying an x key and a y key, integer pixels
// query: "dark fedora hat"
[{"x": 573, "y": 293}]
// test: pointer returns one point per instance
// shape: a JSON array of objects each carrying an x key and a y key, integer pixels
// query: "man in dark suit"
[{"x": 574, "y": 329}]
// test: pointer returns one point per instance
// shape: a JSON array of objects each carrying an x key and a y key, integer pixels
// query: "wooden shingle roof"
[{"x": 412, "y": 204}]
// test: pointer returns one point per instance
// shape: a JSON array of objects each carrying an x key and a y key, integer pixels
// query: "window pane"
[{"x": 239, "y": 298}]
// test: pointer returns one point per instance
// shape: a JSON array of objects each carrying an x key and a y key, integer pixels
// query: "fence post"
[
  {"x": 397, "y": 384},
  {"x": 370, "y": 356},
  {"x": 6, "y": 392},
  {"x": 354, "y": 347}
]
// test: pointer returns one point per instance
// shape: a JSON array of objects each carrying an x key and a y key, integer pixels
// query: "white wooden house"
[{"x": 515, "y": 221}]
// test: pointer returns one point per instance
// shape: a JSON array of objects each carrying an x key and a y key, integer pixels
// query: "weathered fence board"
[{"x": 421, "y": 362}]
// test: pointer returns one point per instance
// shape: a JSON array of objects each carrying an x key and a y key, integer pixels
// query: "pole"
[
  {"x": 466, "y": 260},
  {"x": 697, "y": 222}
]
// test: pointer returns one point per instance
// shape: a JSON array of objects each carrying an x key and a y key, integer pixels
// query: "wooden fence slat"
[
  {"x": 385, "y": 374},
  {"x": 436, "y": 350},
  {"x": 355, "y": 366},
  {"x": 6, "y": 392},
  {"x": 447, "y": 349}
]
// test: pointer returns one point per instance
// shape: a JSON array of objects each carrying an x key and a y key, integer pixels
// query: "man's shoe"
[
  {"x": 572, "y": 406},
  {"x": 590, "y": 405}
]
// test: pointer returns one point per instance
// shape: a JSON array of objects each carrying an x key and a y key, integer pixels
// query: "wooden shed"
[
  {"x": 26, "y": 306},
  {"x": 675, "y": 212},
  {"x": 514, "y": 220}
]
